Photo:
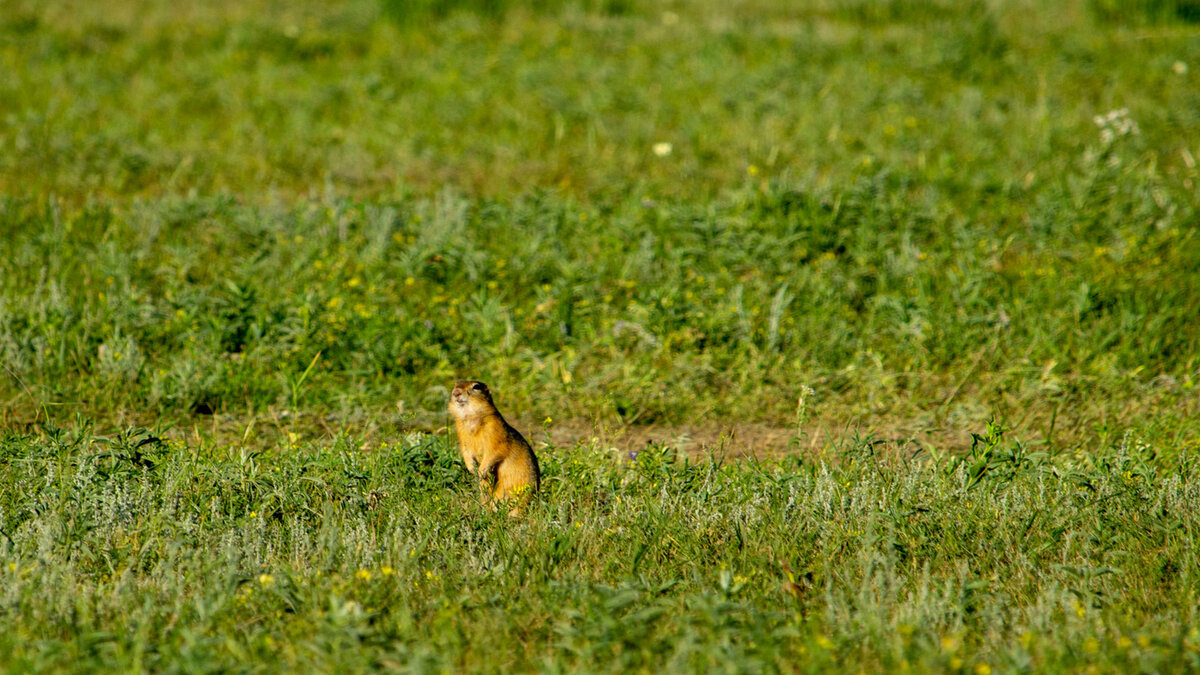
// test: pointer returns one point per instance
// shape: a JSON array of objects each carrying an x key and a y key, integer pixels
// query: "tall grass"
[{"x": 131, "y": 552}]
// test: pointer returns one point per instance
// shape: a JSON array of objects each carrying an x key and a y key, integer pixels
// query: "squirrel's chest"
[
  {"x": 478, "y": 442},
  {"x": 472, "y": 445}
]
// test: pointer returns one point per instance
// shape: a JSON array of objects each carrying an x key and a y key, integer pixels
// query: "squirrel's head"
[{"x": 470, "y": 399}]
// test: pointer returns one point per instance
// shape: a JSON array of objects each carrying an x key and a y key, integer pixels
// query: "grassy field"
[{"x": 851, "y": 335}]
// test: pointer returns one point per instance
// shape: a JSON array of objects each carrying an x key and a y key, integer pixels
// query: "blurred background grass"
[
  {"x": 132, "y": 99},
  {"x": 924, "y": 210}
]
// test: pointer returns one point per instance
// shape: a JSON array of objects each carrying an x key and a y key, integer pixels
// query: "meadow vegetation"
[{"x": 948, "y": 250}]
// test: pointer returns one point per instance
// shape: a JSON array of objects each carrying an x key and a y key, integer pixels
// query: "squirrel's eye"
[{"x": 479, "y": 386}]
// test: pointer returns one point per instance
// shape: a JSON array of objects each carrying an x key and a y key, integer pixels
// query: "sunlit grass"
[
  {"x": 942, "y": 254},
  {"x": 329, "y": 556}
]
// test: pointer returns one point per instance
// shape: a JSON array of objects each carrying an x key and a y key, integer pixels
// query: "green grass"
[
  {"x": 128, "y": 552},
  {"x": 246, "y": 247}
]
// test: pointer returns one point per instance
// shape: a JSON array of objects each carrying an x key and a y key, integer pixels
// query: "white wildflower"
[{"x": 1115, "y": 124}]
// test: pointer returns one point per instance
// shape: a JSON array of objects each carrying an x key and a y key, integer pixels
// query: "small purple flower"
[{"x": 633, "y": 455}]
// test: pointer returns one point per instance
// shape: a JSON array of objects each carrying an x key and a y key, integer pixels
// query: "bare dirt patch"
[{"x": 1064, "y": 425}]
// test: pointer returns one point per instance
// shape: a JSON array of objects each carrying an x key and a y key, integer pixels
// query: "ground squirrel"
[{"x": 492, "y": 450}]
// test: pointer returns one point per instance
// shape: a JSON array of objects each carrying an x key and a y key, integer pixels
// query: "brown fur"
[{"x": 492, "y": 450}]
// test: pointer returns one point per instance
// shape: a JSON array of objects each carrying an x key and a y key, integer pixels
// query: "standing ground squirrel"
[{"x": 492, "y": 450}]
